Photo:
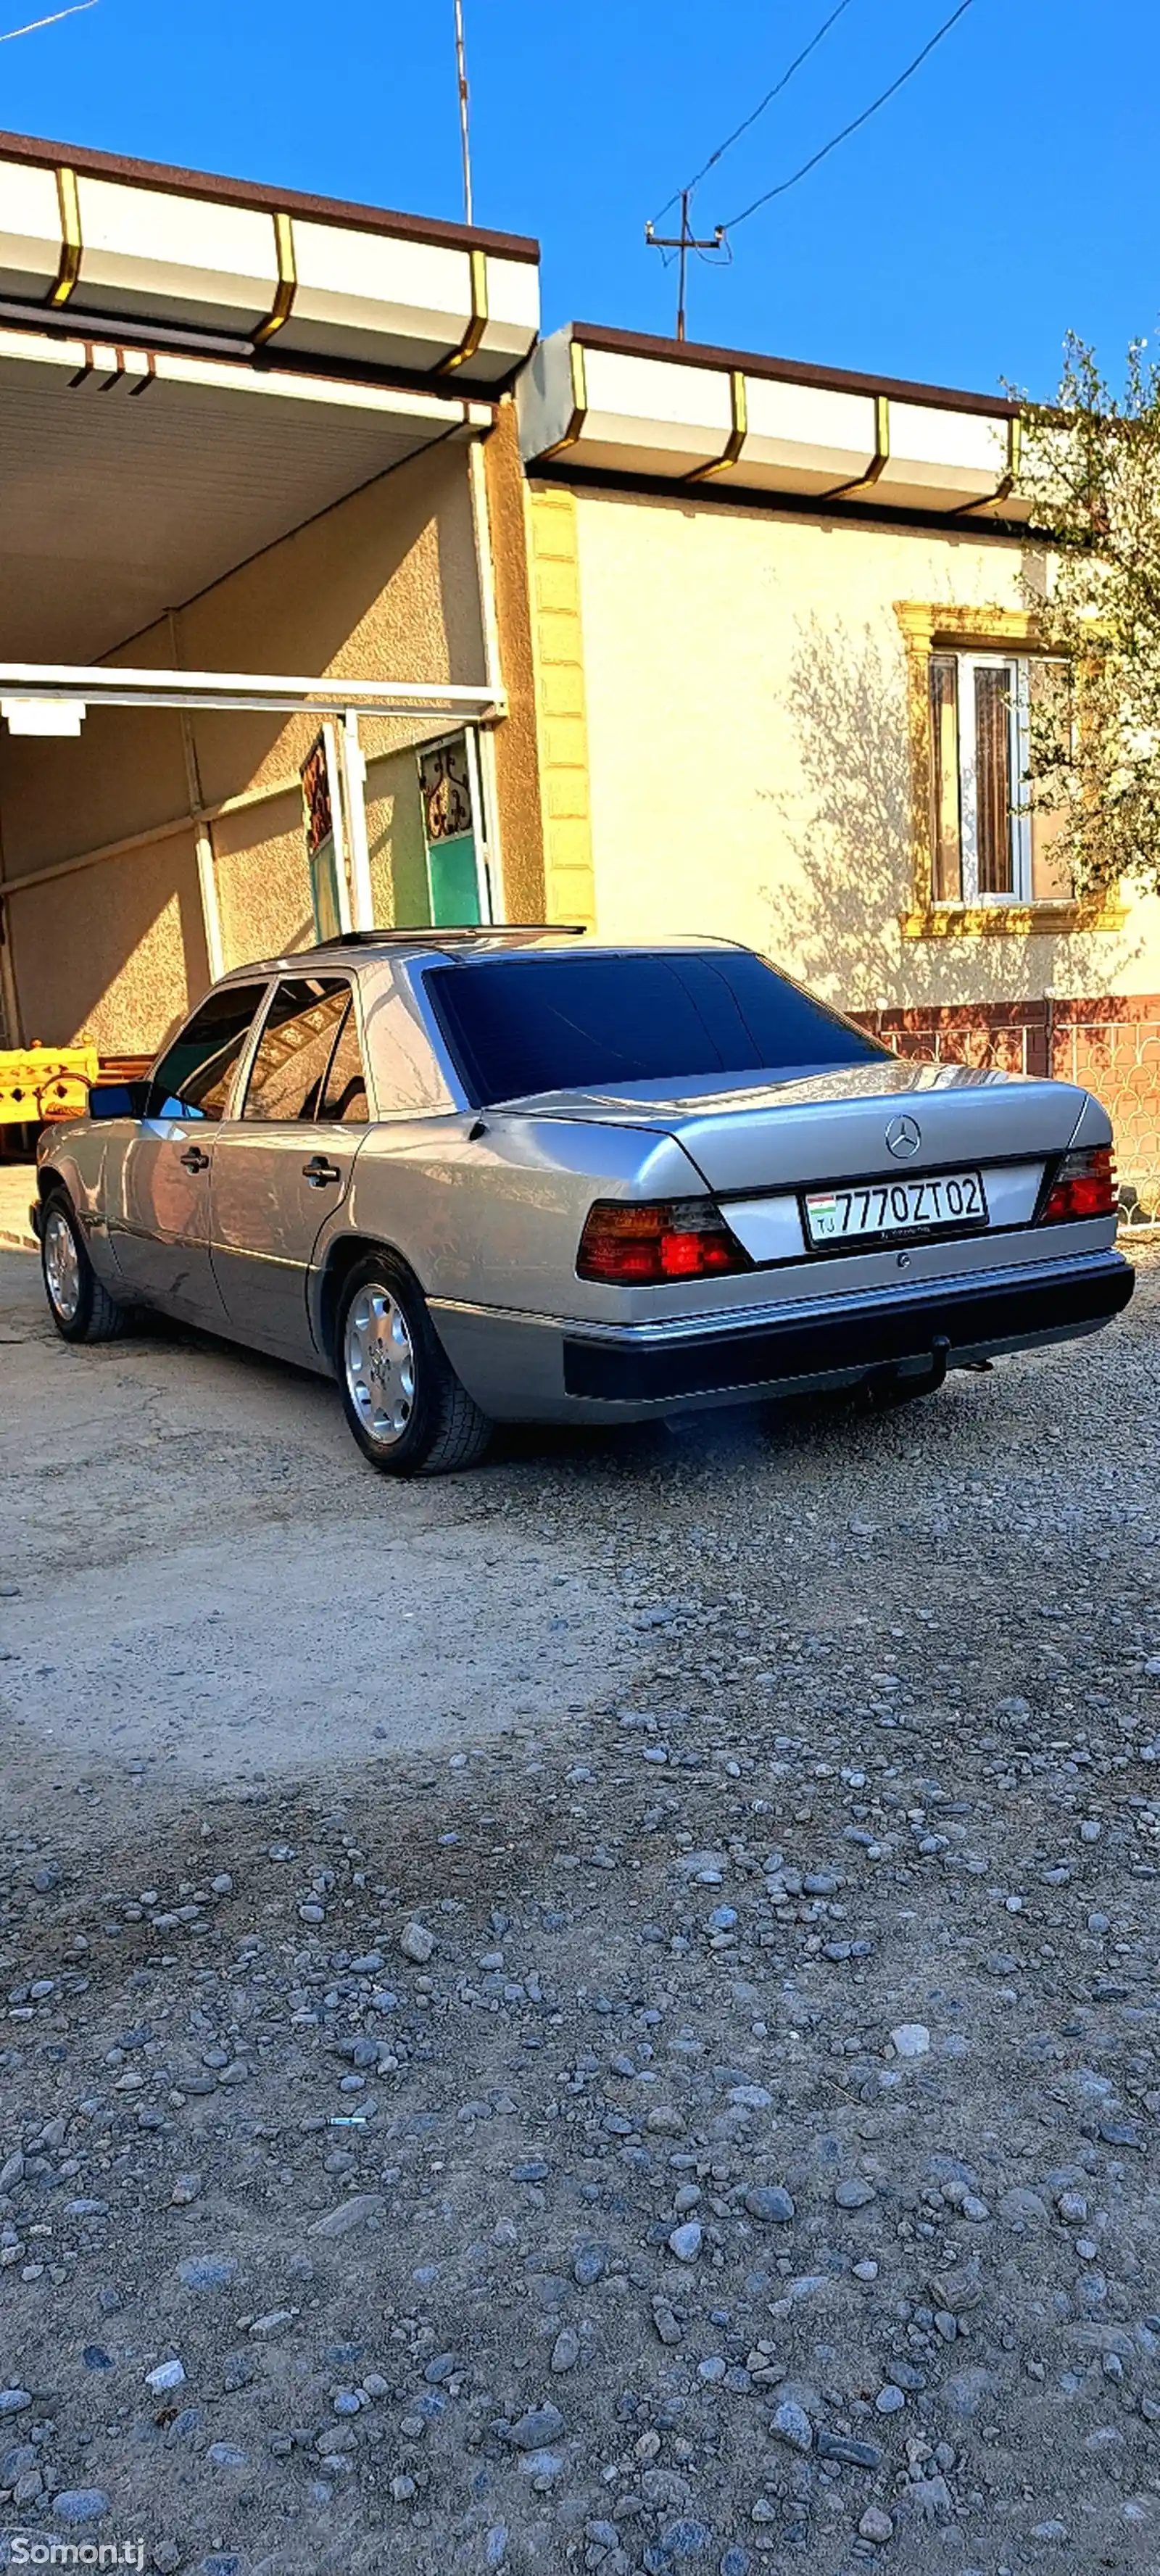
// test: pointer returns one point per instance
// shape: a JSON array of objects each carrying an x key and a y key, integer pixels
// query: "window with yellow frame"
[{"x": 985, "y": 859}]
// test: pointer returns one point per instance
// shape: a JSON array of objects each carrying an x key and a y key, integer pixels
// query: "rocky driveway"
[{"x": 599, "y": 2015}]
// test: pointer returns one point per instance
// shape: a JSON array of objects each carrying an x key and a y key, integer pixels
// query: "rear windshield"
[{"x": 521, "y": 1025}]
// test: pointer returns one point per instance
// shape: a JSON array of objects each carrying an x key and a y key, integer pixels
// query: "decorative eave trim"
[
  {"x": 579, "y": 412},
  {"x": 1008, "y": 479},
  {"x": 173, "y": 180},
  {"x": 881, "y": 457},
  {"x": 697, "y": 353},
  {"x": 478, "y": 323},
  {"x": 283, "y": 304},
  {"x": 731, "y": 451},
  {"x": 71, "y": 245}
]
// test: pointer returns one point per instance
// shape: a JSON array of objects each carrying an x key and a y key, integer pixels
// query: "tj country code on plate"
[{"x": 895, "y": 1207}]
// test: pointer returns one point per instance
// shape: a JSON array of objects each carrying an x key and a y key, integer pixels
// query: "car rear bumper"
[
  {"x": 965, "y": 1323},
  {"x": 540, "y": 1368}
]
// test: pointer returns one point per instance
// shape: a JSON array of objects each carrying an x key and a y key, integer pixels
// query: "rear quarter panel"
[
  {"x": 87, "y": 1158},
  {"x": 496, "y": 1219}
]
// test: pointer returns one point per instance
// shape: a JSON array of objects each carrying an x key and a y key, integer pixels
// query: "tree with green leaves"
[{"x": 1091, "y": 470}]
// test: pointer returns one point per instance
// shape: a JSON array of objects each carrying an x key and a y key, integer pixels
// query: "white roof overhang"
[
  {"x": 65, "y": 684},
  {"x": 138, "y": 245},
  {"x": 605, "y": 400},
  {"x": 134, "y": 478}
]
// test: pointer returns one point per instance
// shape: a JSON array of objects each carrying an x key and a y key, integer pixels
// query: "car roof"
[{"x": 452, "y": 946}]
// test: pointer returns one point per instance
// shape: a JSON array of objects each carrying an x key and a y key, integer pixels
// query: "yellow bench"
[{"x": 39, "y": 1083}]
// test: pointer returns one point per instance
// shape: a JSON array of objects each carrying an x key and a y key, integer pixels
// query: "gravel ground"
[{"x": 678, "y": 2094}]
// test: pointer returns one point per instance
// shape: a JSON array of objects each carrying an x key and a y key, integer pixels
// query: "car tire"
[
  {"x": 405, "y": 1405},
  {"x": 78, "y": 1302}
]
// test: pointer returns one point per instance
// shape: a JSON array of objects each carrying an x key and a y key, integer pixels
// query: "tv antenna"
[
  {"x": 464, "y": 138},
  {"x": 683, "y": 242}
]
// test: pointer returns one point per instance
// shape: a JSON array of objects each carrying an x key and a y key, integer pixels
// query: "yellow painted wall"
[
  {"x": 384, "y": 586},
  {"x": 749, "y": 752},
  {"x": 559, "y": 662}
]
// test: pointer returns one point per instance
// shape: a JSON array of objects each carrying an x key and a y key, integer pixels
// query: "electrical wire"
[
  {"x": 34, "y": 26},
  {"x": 759, "y": 110},
  {"x": 852, "y": 128}
]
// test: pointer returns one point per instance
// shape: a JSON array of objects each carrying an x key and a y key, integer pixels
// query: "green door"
[
  {"x": 454, "y": 882},
  {"x": 447, "y": 779}
]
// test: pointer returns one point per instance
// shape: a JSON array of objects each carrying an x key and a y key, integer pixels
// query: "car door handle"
[
  {"x": 320, "y": 1173},
  {"x": 194, "y": 1160}
]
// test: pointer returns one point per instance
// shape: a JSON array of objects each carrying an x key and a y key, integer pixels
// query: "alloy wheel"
[
  {"x": 62, "y": 1266},
  {"x": 379, "y": 1362}
]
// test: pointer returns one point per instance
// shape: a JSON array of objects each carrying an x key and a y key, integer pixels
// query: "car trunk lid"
[{"x": 834, "y": 1124}]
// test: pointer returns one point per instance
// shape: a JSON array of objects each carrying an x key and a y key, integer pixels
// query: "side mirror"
[{"x": 118, "y": 1099}]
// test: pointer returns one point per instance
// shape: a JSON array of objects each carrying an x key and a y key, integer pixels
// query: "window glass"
[
  {"x": 345, "y": 1097},
  {"x": 944, "y": 718},
  {"x": 409, "y": 1079},
  {"x": 991, "y": 840},
  {"x": 193, "y": 1077},
  {"x": 994, "y": 701},
  {"x": 521, "y": 1025},
  {"x": 288, "y": 1075}
]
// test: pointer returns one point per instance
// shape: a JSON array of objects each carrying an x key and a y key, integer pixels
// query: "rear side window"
[
  {"x": 193, "y": 1078},
  {"x": 521, "y": 1025},
  {"x": 345, "y": 1097},
  {"x": 292, "y": 1059}
]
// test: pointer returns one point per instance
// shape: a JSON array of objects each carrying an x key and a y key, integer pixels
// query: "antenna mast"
[{"x": 465, "y": 144}]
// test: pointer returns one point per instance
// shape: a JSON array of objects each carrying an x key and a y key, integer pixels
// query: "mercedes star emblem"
[{"x": 903, "y": 1137}]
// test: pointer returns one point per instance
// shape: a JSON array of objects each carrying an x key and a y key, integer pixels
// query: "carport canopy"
[
  {"x": 134, "y": 479},
  {"x": 192, "y": 369}
]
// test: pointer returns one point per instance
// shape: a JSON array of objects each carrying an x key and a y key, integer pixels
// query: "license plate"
[{"x": 895, "y": 1207}]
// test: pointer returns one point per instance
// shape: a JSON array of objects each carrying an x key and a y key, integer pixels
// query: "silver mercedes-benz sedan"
[{"x": 507, "y": 1175}]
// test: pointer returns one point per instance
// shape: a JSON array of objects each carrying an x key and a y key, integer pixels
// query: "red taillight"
[
  {"x": 641, "y": 1246},
  {"x": 1084, "y": 1185}
]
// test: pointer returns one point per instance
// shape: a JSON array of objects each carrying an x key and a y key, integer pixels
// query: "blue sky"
[{"x": 1008, "y": 193}]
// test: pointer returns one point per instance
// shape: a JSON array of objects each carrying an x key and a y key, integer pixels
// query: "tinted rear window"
[{"x": 521, "y": 1025}]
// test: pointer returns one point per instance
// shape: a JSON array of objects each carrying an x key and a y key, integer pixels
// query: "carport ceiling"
[{"x": 130, "y": 483}]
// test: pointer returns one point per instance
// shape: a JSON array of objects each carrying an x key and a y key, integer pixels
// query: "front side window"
[
  {"x": 292, "y": 1060},
  {"x": 989, "y": 843},
  {"x": 521, "y": 1025},
  {"x": 194, "y": 1077}
]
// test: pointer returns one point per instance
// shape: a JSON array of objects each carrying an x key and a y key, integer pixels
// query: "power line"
[
  {"x": 852, "y": 128},
  {"x": 77, "y": 11},
  {"x": 759, "y": 110}
]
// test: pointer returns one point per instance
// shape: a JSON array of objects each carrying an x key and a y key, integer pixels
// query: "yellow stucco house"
[
  {"x": 785, "y": 631},
  {"x": 331, "y": 595}
]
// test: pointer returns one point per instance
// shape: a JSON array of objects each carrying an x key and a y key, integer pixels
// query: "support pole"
[
  {"x": 211, "y": 920},
  {"x": 354, "y": 773},
  {"x": 207, "y": 887},
  {"x": 9, "y": 999}
]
